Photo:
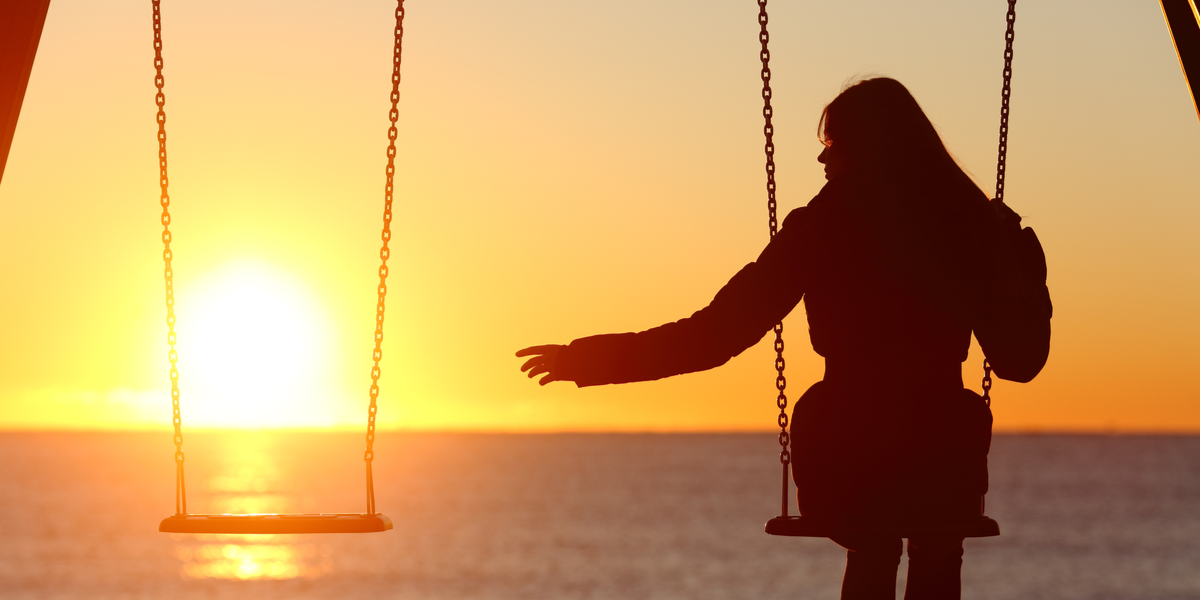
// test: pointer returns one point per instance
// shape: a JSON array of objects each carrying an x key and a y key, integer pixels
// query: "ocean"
[{"x": 559, "y": 516}]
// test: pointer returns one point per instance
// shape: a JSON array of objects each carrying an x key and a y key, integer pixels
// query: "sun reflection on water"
[
  {"x": 250, "y": 557},
  {"x": 248, "y": 480}
]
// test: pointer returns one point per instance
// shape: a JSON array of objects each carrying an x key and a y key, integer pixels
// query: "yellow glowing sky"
[{"x": 566, "y": 168}]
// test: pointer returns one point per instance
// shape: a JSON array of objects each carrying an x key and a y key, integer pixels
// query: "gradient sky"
[{"x": 565, "y": 168}]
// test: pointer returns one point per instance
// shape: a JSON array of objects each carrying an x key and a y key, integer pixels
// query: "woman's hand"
[{"x": 545, "y": 360}]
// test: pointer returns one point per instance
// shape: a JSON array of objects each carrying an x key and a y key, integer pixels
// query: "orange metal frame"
[
  {"x": 1183, "y": 20},
  {"x": 20, "y": 30}
]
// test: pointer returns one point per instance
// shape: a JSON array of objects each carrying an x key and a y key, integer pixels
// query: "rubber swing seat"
[
  {"x": 276, "y": 523},
  {"x": 980, "y": 526}
]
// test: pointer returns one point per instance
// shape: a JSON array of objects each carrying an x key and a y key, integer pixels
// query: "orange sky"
[{"x": 565, "y": 169}]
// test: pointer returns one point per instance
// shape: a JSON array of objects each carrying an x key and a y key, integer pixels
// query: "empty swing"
[
  {"x": 800, "y": 526},
  {"x": 365, "y": 522}
]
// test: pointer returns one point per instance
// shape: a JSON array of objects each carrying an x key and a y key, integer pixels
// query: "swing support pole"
[
  {"x": 1183, "y": 21},
  {"x": 21, "y": 24}
]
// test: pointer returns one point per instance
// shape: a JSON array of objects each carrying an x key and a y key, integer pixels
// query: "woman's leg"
[
  {"x": 934, "y": 568},
  {"x": 871, "y": 564}
]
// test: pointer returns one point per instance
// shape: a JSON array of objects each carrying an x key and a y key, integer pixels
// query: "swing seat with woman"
[{"x": 898, "y": 259}]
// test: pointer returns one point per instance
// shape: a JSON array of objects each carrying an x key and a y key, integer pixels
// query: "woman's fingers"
[
  {"x": 542, "y": 361},
  {"x": 542, "y": 349}
]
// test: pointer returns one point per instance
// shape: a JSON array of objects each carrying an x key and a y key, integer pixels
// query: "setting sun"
[{"x": 255, "y": 350}]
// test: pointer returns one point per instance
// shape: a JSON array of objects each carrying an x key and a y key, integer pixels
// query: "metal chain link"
[
  {"x": 386, "y": 236},
  {"x": 987, "y": 382},
  {"x": 785, "y": 455},
  {"x": 1002, "y": 151},
  {"x": 168, "y": 273}
]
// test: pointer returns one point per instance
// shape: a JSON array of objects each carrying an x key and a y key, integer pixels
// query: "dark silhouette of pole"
[
  {"x": 20, "y": 30},
  {"x": 1184, "y": 23}
]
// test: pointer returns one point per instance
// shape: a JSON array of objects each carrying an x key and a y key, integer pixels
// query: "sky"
[{"x": 564, "y": 169}]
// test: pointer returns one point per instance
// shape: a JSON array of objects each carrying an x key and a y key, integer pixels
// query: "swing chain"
[
  {"x": 1004, "y": 97},
  {"x": 168, "y": 273},
  {"x": 785, "y": 456},
  {"x": 987, "y": 383},
  {"x": 1002, "y": 152},
  {"x": 386, "y": 236},
  {"x": 768, "y": 129}
]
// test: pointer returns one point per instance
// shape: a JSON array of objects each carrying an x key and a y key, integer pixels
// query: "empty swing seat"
[
  {"x": 980, "y": 526},
  {"x": 276, "y": 523}
]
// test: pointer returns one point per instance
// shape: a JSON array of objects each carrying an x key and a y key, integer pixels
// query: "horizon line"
[{"x": 1016, "y": 431}]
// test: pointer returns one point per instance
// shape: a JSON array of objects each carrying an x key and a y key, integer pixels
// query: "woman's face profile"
[{"x": 834, "y": 161}]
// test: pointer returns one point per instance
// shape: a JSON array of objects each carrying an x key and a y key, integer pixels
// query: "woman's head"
[{"x": 877, "y": 125}]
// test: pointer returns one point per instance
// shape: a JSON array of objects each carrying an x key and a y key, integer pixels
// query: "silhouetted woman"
[{"x": 895, "y": 261}]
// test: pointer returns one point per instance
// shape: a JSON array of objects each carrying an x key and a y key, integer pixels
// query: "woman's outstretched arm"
[{"x": 745, "y": 309}]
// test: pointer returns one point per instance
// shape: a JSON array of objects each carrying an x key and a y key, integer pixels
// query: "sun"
[{"x": 254, "y": 351}]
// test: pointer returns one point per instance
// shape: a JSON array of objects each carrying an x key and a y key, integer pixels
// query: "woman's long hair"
[
  {"x": 891, "y": 146},
  {"x": 878, "y": 125}
]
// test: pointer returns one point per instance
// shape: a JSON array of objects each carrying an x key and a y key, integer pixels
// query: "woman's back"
[{"x": 896, "y": 275}]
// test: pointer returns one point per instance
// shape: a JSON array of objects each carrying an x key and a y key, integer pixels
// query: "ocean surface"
[{"x": 588, "y": 516}]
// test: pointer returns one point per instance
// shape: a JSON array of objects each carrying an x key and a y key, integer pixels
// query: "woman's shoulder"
[
  {"x": 835, "y": 198},
  {"x": 824, "y": 214},
  {"x": 836, "y": 192}
]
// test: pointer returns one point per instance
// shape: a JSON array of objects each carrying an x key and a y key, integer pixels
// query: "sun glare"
[{"x": 254, "y": 351}]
